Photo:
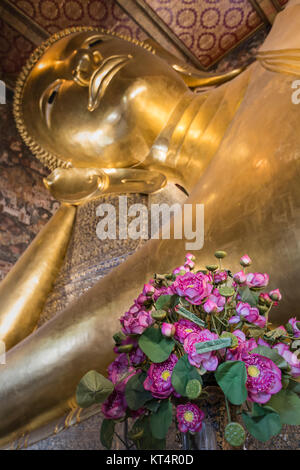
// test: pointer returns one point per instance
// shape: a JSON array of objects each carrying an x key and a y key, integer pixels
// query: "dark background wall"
[{"x": 25, "y": 204}]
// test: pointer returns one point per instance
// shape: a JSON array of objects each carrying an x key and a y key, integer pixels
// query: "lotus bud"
[
  {"x": 239, "y": 277},
  {"x": 142, "y": 299},
  {"x": 264, "y": 299},
  {"x": 189, "y": 264},
  {"x": 210, "y": 307},
  {"x": 168, "y": 329},
  {"x": 275, "y": 295},
  {"x": 181, "y": 271},
  {"x": 190, "y": 257},
  {"x": 245, "y": 260},
  {"x": 148, "y": 290}
]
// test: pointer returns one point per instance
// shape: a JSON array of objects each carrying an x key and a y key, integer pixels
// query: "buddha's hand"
[{"x": 77, "y": 185}]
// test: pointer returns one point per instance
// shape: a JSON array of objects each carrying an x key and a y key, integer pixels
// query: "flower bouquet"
[{"x": 188, "y": 329}]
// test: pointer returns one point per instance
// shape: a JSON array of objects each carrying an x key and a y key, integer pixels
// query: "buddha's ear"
[{"x": 192, "y": 76}]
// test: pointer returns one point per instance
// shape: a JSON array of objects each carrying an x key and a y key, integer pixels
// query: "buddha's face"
[{"x": 99, "y": 101}]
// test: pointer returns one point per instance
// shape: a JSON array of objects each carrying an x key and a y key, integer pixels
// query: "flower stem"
[
  {"x": 267, "y": 314},
  {"x": 185, "y": 441},
  {"x": 214, "y": 323},
  {"x": 219, "y": 319},
  {"x": 227, "y": 410}
]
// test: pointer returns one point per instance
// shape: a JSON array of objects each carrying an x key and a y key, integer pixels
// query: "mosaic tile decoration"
[
  {"x": 25, "y": 204},
  {"x": 14, "y": 51},
  {"x": 208, "y": 28}
]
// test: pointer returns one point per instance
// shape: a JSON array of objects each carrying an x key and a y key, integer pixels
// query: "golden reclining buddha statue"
[{"x": 108, "y": 115}]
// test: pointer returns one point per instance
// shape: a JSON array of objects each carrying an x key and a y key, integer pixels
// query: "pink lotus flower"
[
  {"x": 119, "y": 372},
  {"x": 190, "y": 256},
  {"x": 209, "y": 306},
  {"x": 284, "y": 351},
  {"x": 250, "y": 314},
  {"x": 168, "y": 329},
  {"x": 218, "y": 299},
  {"x": 193, "y": 287},
  {"x": 158, "y": 380},
  {"x": 142, "y": 300},
  {"x": 257, "y": 280},
  {"x": 245, "y": 260},
  {"x": 275, "y": 295},
  {"x": 184, "y": 328},
  {"x": 162, "y": 291},
  {"x": 114, "y": 406},
  {"x": 293, "y": 322},
  {"x": 136, "y": 320},
  {"x": 243, "y": 348},
  {"x": 239, "y": 277},
  {"x": 180, "y": 270},
  {"x": 136, "y": 355},
  {"x": 263, "y": 378},
  {"x": 207, "y": 360},
  {"x": 148, "y": 290},
  {"x": 189, "y": 417},
  {"x": 189, "y": 264},
  {"x": 290, "y": 357},
  {"x": 220, "y": 277},
  {"x": 264, "y": 297}
]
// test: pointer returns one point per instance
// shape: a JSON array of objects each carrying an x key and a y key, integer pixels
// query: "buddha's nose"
[
  {"x": 84, "y": 64},
  {"x": 102, "y": 77}
]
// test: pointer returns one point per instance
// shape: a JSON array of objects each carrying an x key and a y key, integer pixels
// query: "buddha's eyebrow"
[{"x": 95, "y": 42}]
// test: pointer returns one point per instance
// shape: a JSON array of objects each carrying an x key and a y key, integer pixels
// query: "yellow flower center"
[
  {"x": 165, "y": 375},
  {"x": 191, "y": 285},
  {"x": 253, "y": 371},
  {"x": 188, "y": 416},
  {"x": 188, "y": 330}
]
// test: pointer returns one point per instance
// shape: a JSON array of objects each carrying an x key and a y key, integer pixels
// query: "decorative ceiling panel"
[
  {"x": 199, "y": 31},
  {"x": 54, "y": 15},
  {"x": 208, "y": 28}
]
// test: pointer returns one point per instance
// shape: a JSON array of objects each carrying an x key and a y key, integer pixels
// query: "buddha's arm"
[
  {"x": 25, "y": 289},
  {"x": 192, "y": 76}
]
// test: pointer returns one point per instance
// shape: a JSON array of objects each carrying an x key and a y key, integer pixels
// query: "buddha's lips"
[{"x": 102, "y": 77}]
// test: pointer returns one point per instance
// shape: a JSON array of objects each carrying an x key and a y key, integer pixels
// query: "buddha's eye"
[
  {"x": 95, "y": 43},
  {"x": 52, "y": 97},
  {"x": 48, "y": 98}
]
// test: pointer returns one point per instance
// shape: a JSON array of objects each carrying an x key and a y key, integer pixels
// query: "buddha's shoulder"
[{"x": 281, "y": 50}]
